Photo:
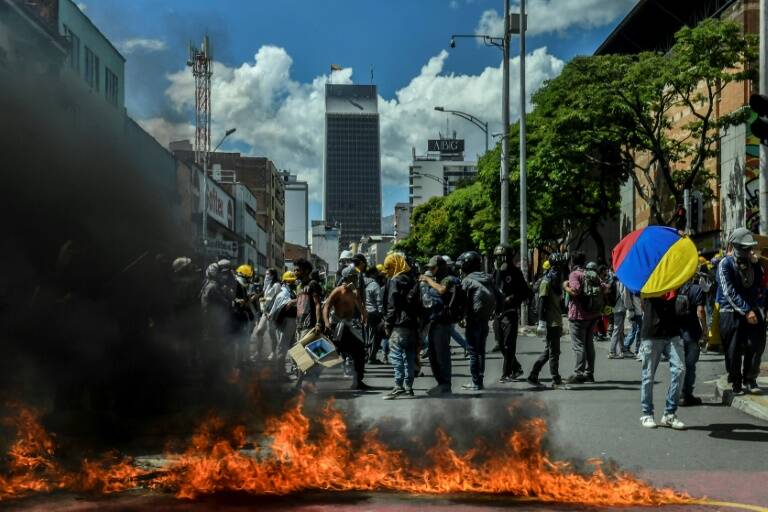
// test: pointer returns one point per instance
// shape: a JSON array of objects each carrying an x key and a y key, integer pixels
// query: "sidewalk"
[{"x": 754, "y": 405}]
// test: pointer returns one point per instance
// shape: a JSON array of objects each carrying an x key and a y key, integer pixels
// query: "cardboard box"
[{"x": 314, "y": 349}]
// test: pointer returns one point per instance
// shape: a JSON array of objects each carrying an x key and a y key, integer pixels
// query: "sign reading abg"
[{"x": 446, "y": 145}]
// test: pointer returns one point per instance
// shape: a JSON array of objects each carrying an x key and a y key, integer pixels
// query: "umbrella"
[{"x": 655, "y": 260}]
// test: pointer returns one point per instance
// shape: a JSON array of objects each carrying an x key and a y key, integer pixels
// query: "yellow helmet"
[
  {"x": 380, "y": 267},
  {"x": 289, "y": 277},
  {"x": 245, "y": 271},
  {"x": 547, "y": 265}
]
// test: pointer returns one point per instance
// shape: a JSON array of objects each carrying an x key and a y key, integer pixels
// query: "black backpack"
[
  {"x": 413, "y": 299},
  {"x": 457, "y": 305}
]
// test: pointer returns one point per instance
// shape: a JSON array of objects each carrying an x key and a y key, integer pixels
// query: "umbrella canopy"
[{"x": 655, "y": 260}]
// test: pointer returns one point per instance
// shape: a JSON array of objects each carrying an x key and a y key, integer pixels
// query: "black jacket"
[
  {"x": 511, "y": 284},
  {"x": 397, "y": 311}
]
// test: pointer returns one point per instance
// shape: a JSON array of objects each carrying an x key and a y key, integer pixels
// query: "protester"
[
  {"x": 693, "y": 326},
  {"x": 283, "y": 314},
  {"x": 242, "y": 313},
  {"x": 584, "y": 308},
  {"x": 309, "y": 317},
  {"x": 742, "y": 325},
  {"x": 350, "y": 314},
  {"x": 400, "y": 324},
  {"x": 345, "y": 260},
  {"x": 482, "y": 298},
  {"x": 661, "y": 336},
  {"x": 442, "y": 287},
  {"x": 216, "y": 298},
  {"x": 514, "y": 291},
  {"x": 264, "y": 328},
  {"x": 635, "y": 313},
  {"x": 374, "y": 308},
  {"x": 550, "y": 324},
  {"x": 621, "y": 306}
]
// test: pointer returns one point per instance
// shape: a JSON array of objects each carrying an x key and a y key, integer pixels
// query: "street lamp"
[
  {"x": 441, "y": 181},
  {"x": 469, "y": 117},
  {"x": 513, "y": 24},
  {"x": 206, "y": 162}
]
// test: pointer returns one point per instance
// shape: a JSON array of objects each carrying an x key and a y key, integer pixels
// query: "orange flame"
[{"x": 290, "y": 461}]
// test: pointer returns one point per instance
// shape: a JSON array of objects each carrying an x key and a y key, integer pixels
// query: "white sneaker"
[
  {"x": 648, "y": 421},
  {"x": 671, "y": 421}
]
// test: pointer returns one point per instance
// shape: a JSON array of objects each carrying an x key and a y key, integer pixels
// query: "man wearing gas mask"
[{"x": 742, "y": 324}]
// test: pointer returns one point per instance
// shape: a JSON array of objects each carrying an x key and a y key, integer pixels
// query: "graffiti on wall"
[{"x": 751, "y": 182}]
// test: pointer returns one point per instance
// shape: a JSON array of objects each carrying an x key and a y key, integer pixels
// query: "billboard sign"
[{"x": 446, "y": 145}]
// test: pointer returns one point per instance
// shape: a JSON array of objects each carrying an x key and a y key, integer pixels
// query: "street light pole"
[
  {"x": 523, "y": 155},
  {"x": 206, "y": 162},
  {"x": 483, "y": 125},
  {"x": 763, "y": 69},
  {"x": 504, "y": 178}
]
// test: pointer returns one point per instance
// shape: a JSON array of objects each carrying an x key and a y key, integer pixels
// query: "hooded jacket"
[
  {"x": 737, "y": 291},
  {"x": 482, "y": 296}
]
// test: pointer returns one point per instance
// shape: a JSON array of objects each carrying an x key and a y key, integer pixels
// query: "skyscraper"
[{"x": 352, "y": 185}]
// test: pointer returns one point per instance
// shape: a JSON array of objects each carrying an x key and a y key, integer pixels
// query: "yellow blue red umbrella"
[{"x": 655, "y": 260}]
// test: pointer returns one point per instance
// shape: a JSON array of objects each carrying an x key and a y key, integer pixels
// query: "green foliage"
[{"x": 587, "y": 129}]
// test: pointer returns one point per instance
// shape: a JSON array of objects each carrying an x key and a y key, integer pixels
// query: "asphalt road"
[{"x": 723, "y": 454}]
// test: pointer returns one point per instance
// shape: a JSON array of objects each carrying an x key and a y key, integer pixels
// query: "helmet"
[
  {"x": 212, "y": 271},
  {"x": 289, "y": 277},
  {"x": 180, "y": 264},
  {"x": 346, "y": 255},
  {"x": 448, "y": 260},
  {"x": 245, "y": 271},
  {"x": 349, "y": 274},
  {"x": 470, "y": 261},
  {"x": 502, "y": 250},
  {"x": 547, "y": 265},
  {"x": 592, "y": 266},
  {"x": 380, "y": 267},
  {"x": 224, "y": 265}
]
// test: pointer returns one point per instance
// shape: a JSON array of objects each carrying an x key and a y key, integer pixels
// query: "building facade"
[
  {"x": 651, "y": 27},
  {"x": 296, "y": 210},
  {"x": 326, "y": 244},
  {"x": 352, "y": 161},
  {"x": 439, "y": 172}
]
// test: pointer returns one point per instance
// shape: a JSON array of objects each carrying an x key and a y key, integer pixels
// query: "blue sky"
[{"x": 273, "y": 59}]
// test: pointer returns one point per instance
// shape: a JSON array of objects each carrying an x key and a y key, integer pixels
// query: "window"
[
  {"x": 110, "y": 86},
  {"x": 74, "y": 49},
  {"x": 91, "y": 69}
]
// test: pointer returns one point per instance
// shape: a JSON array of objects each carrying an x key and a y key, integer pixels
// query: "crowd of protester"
[{"x": 401, "y": 314}]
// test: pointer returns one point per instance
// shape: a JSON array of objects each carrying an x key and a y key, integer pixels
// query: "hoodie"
[{"x": 481, "y": 296}]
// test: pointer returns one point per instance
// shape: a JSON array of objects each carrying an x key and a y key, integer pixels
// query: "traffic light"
[{"x": 759, "y": 104}]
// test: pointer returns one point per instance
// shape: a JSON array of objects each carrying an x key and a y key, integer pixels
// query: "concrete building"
[
  {"x": 440, "y": 171},
  {"x": 91, "y": 55},
  {"x": 352, "y": 181},
  {"x": 326, "y": 244},
  {"x": 651, "y": 26},
  {"x": 253, "y": 239},
  {"x": 402, "y": 220},
  {"x": 296, "y": 210},
  {"x": 376, "y": 248},
  {"x": 262, "y": 178}
]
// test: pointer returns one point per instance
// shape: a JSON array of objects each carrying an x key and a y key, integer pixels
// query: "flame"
[{"x": 299, "y": 454}]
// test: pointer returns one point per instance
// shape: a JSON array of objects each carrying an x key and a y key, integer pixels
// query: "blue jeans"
[
  {"x": 477, "y": 335},
  {"x": 634, "y": 333},
  {"x": 402, "y": 355},
  {"x": 651, "y": 352},
  {"x": 458, "y": 338}
]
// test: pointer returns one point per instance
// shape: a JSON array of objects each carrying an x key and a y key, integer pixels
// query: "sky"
[{"x": 272, "y": 60}]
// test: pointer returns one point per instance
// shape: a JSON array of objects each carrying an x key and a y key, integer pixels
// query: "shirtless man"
[{"x": 346, "y": 301}]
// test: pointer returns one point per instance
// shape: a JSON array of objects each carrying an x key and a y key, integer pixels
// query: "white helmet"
[{"x": 346, "y": 255}]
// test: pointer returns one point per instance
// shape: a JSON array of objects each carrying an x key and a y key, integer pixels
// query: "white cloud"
[
  {"x": 82, "y": 6},
  {"x": 556, "y": 15},
  {"x": 141, "y": 45},
  {"x": 283, "y": 119}
]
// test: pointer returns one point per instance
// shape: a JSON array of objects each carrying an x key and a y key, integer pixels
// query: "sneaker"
[
  {"x": 409, "y": 391},
  {"x": 671, "y": 421},
  {"x": 439, "y": 390},
  {"x": 396, "y": 392},
  {"x": 589, "y": 378},
  {"x": 516, "y": 374},
  {"x": 533, "y": 380},
  {"x": 690, "y": 401},
  {"x": 752, "y": 387},
  {"x": 648, "y": 421},
  {"x": 575, "y": 379},
  {"x": 615, "y": 356},
  {"x": 737, "y": 390},
  {"x": 505, "y": 379},
  {"x": 628, "y": 353},
  {"x": 559, "y": 384},
  {"x": 470, "y": 386}
]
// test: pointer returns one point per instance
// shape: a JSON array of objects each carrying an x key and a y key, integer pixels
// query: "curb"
[{"x": 754, "y": 405}]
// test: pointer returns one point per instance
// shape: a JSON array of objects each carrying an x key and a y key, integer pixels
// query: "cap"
[
  {"x": 742, "y": 237},
  {"x": 359, "y": 258},
  {"x": 436, "y": 261}
]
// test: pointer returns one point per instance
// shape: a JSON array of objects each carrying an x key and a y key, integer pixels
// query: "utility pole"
[
  {"x": 504, "y": 221},
  {"x": 523, "y": 157},
  {"x": 763, "y": 69}
]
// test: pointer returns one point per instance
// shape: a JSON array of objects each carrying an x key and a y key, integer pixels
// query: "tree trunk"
[{"x": 594, "y": 232}]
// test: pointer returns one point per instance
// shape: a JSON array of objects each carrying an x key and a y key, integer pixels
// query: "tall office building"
[{"x": 352, "y": 185}]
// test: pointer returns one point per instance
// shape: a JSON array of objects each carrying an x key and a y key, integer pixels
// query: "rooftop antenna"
[{"x": 201, "y": 62}]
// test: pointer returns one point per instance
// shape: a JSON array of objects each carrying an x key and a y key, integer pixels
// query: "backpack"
[
  {"x": 457, "y": 304},
  {"x": 413, "y": 299},
  {"x": 484, "y": 300},
  {"x": 592, "y": 292},
  {"x": 682, "y": 304}
]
